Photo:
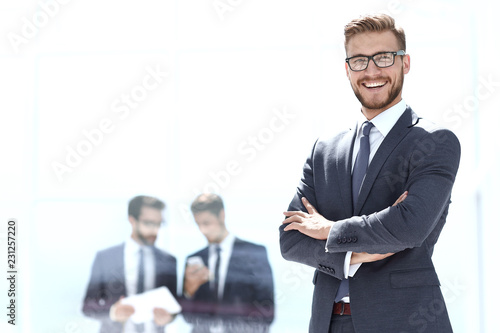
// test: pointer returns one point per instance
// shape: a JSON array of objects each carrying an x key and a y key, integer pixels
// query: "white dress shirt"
[
  {"x": 383, "y": 123},
  {"x": 131, "y": 262}
]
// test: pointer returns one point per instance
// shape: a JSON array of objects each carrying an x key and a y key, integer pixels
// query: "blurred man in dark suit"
[{"x": 228, "y": 285}]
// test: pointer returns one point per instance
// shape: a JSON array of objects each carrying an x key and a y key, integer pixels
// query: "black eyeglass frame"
[{"x": 400, "y": 52}]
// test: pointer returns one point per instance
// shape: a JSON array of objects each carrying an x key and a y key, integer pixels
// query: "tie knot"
[{"x": 367, "y": 126}]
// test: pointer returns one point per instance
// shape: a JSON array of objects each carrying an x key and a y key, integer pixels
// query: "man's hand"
[
  {"x": 121, "y": 312},
  {"x": 363, "y": 257},
  {"x": 401, "y": 198},
  {"x": 162, "y": 317},
  {"x": 194, "y": 277},
  {"x": 311, "y": 224},
  {"x": 358, "y": 258}
]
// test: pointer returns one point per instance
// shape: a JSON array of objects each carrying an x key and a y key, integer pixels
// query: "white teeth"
[{"x": 374, "y": 84}]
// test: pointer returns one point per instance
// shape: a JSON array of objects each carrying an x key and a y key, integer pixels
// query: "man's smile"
[{"x": 372, "y": 85}]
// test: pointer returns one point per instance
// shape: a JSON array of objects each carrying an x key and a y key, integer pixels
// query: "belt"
[{"x": 342, "y": 309}]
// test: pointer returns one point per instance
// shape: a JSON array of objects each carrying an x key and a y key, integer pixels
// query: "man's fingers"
[
  {"x": 401, "y": 198},
  {"x": 197, "y": 275},
  {"x": 191, "y": 269},
  {"x": 310, "y": 208},
  {"x": 129, "y": 311},
  {"x": 126, "y": 310},
  {"x": 160, "y": 311},
  {"x": 161, "y": 316},
  {"x": 363, "y": 257},
  {"x": 202, "y": 274},
  {"x": 292, "y": 226},
  {"x": 297, "y": 216},
  {"x": 292, "y": 213},
  {"x": 293, "y": 218}
]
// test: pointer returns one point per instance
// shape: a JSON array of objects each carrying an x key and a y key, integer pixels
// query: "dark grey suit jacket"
[
  {"x": 400, "y": 293},
  {"x": 107, "y": 283}
]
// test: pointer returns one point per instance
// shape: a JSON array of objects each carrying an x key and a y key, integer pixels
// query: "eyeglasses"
[
  {"x": 381, "y": 60},
  {"x": 152, "y": 224}
]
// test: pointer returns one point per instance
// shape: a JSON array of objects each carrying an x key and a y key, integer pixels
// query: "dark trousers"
[{"x": 341, "y": 324}]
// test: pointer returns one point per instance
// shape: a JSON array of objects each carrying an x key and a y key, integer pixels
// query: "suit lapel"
[
  {"x": 120, "y": 268},
  {"x": 393, "y": 138},
  {"x": 204, "y": 255},
  {"x": 344, "y": 166},
  {"x": 160, "y": 267}
]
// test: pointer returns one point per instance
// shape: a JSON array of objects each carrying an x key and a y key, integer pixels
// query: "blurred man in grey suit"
[
  {"x": 374, "y": 271},
  {"x": 119, "y": 271}
]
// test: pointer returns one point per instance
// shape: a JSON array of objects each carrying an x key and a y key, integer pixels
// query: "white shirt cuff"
[
  {"x": 350, "y": 270},
  {"x": 328, "y": 239}
]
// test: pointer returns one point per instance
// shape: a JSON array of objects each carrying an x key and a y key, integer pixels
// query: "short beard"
[
  {"x": 393, "y": 94},
  {"x": 144, "y": 240}
]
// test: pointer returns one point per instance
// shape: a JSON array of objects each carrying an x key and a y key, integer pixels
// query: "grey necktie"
[
  {"x": 358, "y": 175},
  {"x": 140, "y": 277},
  {"x": 140, "y": 285}
]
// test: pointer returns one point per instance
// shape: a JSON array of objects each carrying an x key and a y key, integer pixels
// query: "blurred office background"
[{"x": 105, "y": 100}]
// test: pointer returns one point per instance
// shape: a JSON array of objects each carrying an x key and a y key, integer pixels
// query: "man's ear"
[
  {"x": 406, "y": 63},
  {"x": 346, "y": 69},
  {"x": 222, "y": 215}
]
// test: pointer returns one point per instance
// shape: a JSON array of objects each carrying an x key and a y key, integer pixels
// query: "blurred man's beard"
[{"x": 145, "y": 239}]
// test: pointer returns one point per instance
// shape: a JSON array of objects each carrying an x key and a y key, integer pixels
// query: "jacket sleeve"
[
  {"x": 263, "y": 305},
  {"x": 431, "y": 174},
  {"x": 300, "y": 248},
  {"x": 98, "y": 300}
]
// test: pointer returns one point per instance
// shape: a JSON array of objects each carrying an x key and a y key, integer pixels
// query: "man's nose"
[{"x": 372, "y": 69}]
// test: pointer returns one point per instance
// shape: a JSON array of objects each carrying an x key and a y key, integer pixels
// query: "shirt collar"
[
  {"x": 226, "y": 244},
  {"x": 131, "y": 246},
  {"x": 385, "y": 121}
]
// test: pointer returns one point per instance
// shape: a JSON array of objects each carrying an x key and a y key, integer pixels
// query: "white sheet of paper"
[{"x": 145, "y": 303}]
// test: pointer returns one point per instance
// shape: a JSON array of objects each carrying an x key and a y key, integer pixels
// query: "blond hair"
[{"x": 374, "y": 23}]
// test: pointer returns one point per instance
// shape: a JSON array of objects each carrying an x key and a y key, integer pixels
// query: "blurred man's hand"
[
  {"x": 121, "y": 312},
  {"x": 194, "y": 277}
]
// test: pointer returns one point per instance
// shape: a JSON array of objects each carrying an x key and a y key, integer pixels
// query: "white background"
[{"x": 232, "y": 66}]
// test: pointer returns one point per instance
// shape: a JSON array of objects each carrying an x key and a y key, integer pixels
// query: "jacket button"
[
  {"x": 355, "y": 239},
  {"x": 344, "y": 240}
]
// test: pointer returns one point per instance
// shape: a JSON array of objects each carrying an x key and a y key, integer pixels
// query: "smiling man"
[
  {"x": 373, "y": 200},
  {"x": 377, "y": 87}
]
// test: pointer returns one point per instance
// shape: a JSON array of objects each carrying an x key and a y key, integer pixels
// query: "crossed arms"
[
  {"x": 314, "y": 225},
  {"x": 407, "y": 224}
]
